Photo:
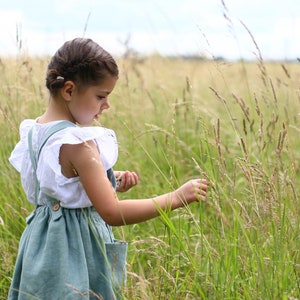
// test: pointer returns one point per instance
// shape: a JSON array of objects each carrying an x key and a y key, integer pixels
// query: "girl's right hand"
[
  {"x": 193, "y": 190},
  {"x": 125, "y": 180}
]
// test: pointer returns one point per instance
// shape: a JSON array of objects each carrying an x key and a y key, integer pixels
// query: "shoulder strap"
[
  {"x": 53, "y": 129},
  {"x": 34, "y": 156}
]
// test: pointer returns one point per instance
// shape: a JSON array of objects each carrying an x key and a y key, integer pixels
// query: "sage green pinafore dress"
[{"x": 67, "y": 251}]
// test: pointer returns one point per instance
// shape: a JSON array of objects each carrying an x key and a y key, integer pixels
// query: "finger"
[
  {"x": 203, "y": 187},
  {"x": 131, "y": 178},
  {"x": 135, "y": 178},
  {"x": 203, "y": 181},
  {"x": 127, "y": 181}
]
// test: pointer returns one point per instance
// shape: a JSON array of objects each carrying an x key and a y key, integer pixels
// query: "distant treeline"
[{"x": 195, "y": 57}]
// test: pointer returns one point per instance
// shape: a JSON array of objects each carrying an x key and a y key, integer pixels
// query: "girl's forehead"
[{"x": 107, "y": 85}]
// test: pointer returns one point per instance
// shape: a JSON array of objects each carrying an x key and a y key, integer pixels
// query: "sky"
[{"x": 232, "y": 29}]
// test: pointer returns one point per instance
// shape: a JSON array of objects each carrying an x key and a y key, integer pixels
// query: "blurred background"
[{"x": 210, "y": 29}]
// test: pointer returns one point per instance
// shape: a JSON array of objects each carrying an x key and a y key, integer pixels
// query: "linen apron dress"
[{"x": 67, "y": 251}]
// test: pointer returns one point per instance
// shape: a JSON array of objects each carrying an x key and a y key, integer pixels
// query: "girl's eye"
[{"x": 101, "y": 97}]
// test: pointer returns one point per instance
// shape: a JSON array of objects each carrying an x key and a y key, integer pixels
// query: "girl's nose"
[{"x": 105, "y": 105}]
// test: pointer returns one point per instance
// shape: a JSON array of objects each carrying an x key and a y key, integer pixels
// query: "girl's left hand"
[{"x": 125, "y": 180}]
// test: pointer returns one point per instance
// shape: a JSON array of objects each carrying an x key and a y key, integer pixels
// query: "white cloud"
[
  {"x": 11, "y": 24},
  {"x": 169, "y": 26}
]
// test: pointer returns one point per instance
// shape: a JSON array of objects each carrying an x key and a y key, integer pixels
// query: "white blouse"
[{"x": 69, "y": 191}]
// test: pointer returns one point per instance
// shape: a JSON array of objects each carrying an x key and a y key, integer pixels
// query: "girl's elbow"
[{"x": 113, "y": 219}]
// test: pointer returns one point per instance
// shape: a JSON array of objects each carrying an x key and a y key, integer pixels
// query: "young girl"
[{"x": 68, "y": 250}]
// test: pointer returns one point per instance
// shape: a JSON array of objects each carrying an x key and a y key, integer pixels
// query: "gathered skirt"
[{"x": 68, "y": 254}]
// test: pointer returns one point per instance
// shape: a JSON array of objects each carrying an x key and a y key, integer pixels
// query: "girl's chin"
[{"x": 87, "y": 123}]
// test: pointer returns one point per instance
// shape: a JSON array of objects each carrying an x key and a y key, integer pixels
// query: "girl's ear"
[{"x": 67, "y": 90}]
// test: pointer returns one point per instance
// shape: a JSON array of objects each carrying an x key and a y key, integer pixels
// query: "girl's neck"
[{"x": 55, "y": 112}]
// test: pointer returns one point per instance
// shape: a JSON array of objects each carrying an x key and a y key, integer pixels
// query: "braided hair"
[{"x": 82, "y": 61}]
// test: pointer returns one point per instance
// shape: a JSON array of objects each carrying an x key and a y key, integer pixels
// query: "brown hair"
[{"x": 81, "y": 60}]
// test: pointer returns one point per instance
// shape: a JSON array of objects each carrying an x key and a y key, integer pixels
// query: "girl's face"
[{"x": 86, "y": 105}]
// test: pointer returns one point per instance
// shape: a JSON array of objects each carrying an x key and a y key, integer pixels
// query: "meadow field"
[{"x": 237, "y": 123}]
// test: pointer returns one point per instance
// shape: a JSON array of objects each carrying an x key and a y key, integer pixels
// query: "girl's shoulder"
[
  {"x": 78, "y": 135},
  {"x": 69, "y": 134},
  {"x": 104, "y": 138}
]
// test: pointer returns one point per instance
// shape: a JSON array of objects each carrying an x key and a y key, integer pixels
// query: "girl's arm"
[{"x": 85, "y": 159}]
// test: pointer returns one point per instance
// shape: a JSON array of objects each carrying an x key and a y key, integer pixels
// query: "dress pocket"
[{"x": 116, "y": 253}]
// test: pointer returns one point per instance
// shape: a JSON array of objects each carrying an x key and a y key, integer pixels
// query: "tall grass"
[{"x": 236, "y": 123}]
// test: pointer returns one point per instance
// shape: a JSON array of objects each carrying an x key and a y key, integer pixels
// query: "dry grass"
[{"x": 237, "y": 123}]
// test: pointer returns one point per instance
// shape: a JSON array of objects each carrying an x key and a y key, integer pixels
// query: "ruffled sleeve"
[
  {"x": 20, "y": 159},
  {"x": 17, "y": 156},
  {"x": 104, "y": 138}
]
